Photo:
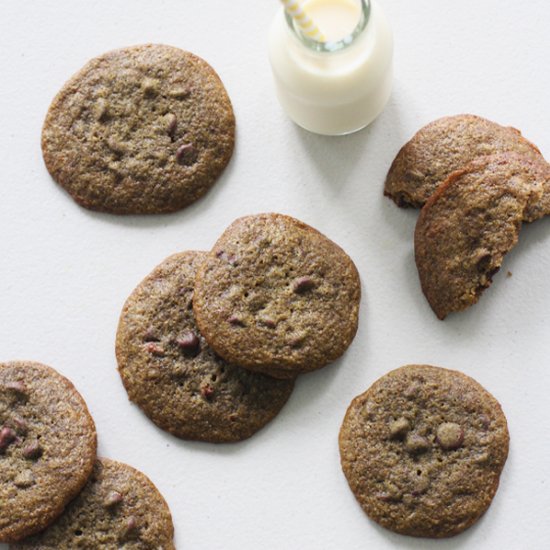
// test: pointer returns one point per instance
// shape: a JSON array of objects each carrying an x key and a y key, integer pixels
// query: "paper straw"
[{"x": 303, "y": 20}]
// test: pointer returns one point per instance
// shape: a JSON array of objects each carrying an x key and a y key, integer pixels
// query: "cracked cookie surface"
[
  {"x": 170, "y": 371},
  {"x": 118, "y": 508},
  {"x": 448, "y": 144},
  {"x": 47, "y": 447},
  {"x": 141, "y": 130},
  {"x": 467, "y": 227},
  {"x": 423, "y": 449},
  {"x": 276, "y": 296}
]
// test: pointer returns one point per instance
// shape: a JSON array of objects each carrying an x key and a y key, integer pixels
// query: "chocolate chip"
[
  {"x": 229, "y": 258},
  {"x": 399, "y": 428},
  {"x": 155, "y": 349},
  {"x": 415, "y": 175},
  {"x": 116, "y": 146},
  {"x": 7, "y": 437},
  {"x": 412, "y": 389},
  {"x": 153, "y": 374},
  {"x": 297, "y": 339},
  {"x": 207, "y": 391},
  {"x": 481, "y": 458},
  {"x": 150, "y": 86},
  {"x": 303, "y": 284},
  {"x": 450, "y": 436},
  {"x": 151, "y": 335},
  {"x": 171, "y": 124},
  {"x": 483, "y": 262},
  {"x": 236, "y": 320},
  {"x": 421, "y": 484},
  {"x": 33, "y": 450},
  {"x": 101, "y": 110},
  {"x": 18, "y": 424},
  {"x": 24, "y": 479},
  {"x": 391, "y": 493},
  {"x": 179, "y": 93},
  {"x": 186, "y": 155},
  {"x": 16, "y": 387},
  {"x": 189, "y": 342},
  {"x": 112, "y": 499},
  {"x": 130, "y": 528},
  {"x": 485, "y": 421},
  {"x": 268, "y": 322},
  {"x": 416, "y": 444}
]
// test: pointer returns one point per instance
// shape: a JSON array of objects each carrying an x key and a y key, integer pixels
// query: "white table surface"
[{"x": 65, "y": 272}]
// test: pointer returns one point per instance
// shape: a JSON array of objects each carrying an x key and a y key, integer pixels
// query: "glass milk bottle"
[{"x": 341, "y": 85}]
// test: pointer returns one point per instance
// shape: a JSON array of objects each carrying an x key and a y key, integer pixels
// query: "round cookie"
[
  {"x": 276, "y": 296},
  {"x": 468, "y": 225},
  {"x": 118, "y": 508},
  {"x": 141, "y": 130},
  {"x": 445, "y": 145},
  {"x": 422, "y": 450},
  {"x": 169, "y": 370},
  {"x": 47, "y": 447}
]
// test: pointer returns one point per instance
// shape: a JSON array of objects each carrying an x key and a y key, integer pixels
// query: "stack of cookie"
[
  {"x": 476, "y": 182},
  {"x": 60, "y": 495},
  {"x": 209, "y": 344}
]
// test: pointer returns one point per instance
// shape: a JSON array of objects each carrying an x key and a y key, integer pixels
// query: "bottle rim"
[{"x": 335, "y": 45}]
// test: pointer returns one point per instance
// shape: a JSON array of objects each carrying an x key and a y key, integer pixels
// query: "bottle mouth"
[{"x": 333, "y": 45}]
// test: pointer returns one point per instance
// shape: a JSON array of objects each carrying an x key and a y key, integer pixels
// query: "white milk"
[
  {"x": 344, "y": 86},
  {"x": 337, "y": 19}
]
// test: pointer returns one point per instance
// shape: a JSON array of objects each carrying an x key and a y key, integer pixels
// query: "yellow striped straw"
[{"x": 303, "y": 20}]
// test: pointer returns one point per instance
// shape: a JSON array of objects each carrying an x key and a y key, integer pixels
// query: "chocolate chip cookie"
[
  {"x": 446, "y": 145},
  {"x": 422, "y": 450},
  {"x": 276, "y": 296},
  {"x": 141, "y": 130},
  {"x": 118, "y": 508},
  {"x": 468, "y": 225},
  {"x": 47, "y": 447},
  {"x": 170, "y": 371}
]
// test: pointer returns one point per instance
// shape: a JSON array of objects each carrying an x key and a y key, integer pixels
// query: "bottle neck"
[{"x": 334, "y": 45}]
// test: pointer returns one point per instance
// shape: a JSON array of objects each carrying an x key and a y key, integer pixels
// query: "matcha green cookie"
[
  {"x": 467, "y": 227},
  {"x": 141, "y": 130},
  {"x": 47, "y": 447},
  {"x": 169, "y": 370},
  {"x": 118, "y": 508},
  {"x": 422, "y": 450},
  {"x": 449, "y": 144},
  {"x": 276, "y": 296}
]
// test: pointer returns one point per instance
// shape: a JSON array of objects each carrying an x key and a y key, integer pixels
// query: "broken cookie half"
[{"x": 470, "y": 223}]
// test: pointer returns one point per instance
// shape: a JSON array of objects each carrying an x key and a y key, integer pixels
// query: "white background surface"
[{"x": 65, "y": 272}]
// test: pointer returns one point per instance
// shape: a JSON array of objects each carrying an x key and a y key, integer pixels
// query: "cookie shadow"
[
  {"x": 334, "y": 158},
  {"x": 471, "y": 321},
  {"x": 308, "y": 390},
  {"x": 466, "y": 539}
]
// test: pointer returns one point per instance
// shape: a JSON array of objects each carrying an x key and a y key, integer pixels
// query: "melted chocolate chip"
[
  {"x": 303, "y": 284},
  {"x": 112, "y": 499},
  {"x": 416, "y": 444},
  {"x": 186, "y": 155},
  {"x": 189, "y": 342},
  {"x": 399, "y": 428},
  {"x": 207, "y": 391},
  {"x": 450, "y": 436},
  {"x": 33, "y": 451},
  {"x": 7, "y": 437}
]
